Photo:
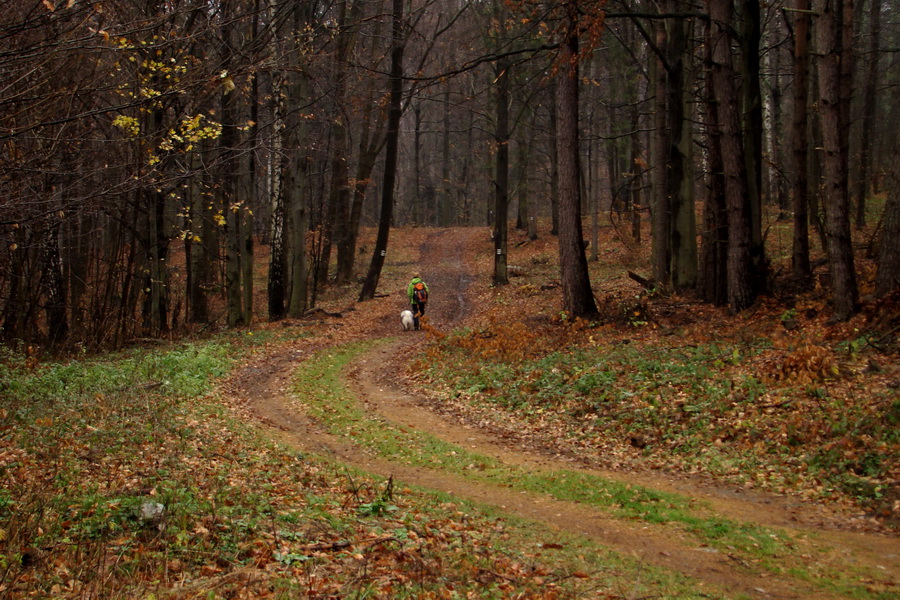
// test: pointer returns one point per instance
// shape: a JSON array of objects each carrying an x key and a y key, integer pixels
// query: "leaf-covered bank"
[{"x": 779, "y": 399}]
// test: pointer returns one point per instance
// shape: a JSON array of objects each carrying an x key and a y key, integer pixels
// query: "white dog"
[{"x": 406, "y": 319}]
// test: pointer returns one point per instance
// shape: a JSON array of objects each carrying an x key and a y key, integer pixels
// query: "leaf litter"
[{"x": 246, "y": 518}]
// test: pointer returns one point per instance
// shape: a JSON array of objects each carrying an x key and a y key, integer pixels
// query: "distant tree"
[
  {"x": 868, "y": 126},
  {"x": 682, "y": 237},
  {"x": 553, "y": 119},
  {"x": 501, "y": 177},
  {"x": 800, "y": 263},
  {"x": 888, "y": 277},
  {"x": 201, "y": 245},
  {"x": 526, "y": 218},
  {"x": 276, "y": 285},
  {"x": 370, "y": 131},
  {"x": 660, "y": 211}
]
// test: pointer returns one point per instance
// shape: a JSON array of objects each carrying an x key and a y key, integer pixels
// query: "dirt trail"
[{"x": 264, "y": 385}]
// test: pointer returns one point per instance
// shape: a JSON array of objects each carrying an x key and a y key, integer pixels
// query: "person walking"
[{"x": 417, "y": 291}]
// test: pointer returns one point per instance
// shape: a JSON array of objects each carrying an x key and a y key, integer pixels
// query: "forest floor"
[{"x": 833, "y": 536}]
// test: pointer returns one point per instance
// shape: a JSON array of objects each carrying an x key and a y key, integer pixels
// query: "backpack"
[{"x": 420, "y": 294}]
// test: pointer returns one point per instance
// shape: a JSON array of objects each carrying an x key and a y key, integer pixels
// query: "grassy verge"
[{"x": 320, "y": 382}]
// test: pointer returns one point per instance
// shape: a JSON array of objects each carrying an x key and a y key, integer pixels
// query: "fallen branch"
[
  {"x": 324, "y": 546},
  {"x": 647, "y": 284}
]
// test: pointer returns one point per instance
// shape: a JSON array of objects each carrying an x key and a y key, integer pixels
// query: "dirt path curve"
[{"x": 264, "y": 385}]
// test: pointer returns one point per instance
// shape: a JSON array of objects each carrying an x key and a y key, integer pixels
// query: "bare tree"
[
  {"x": 395, "y": 110},
  {"x": 741, "y": 292},
  {"x": 888, "y": 277},
  {"x": 870, "y": 88},
  {"x": 501, "y": 179},
  {"x": 800, "y": 265},
  {"x": 578, "y": 297},
  {"x": 830, "y": 50}
]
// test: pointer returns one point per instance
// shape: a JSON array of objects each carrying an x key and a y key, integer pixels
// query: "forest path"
[{"x": 374, "y": 380}]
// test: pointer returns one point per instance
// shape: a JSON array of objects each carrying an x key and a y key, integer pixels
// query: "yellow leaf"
[{"x": 49, "y": 5}]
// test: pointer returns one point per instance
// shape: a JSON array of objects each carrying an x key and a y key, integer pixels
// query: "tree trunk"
[
  {"x": 231, "y": 208},
  {"x": 888, "y": 278},
  {"x": 250, "y": 193},
  {"x": 776, "y": 189},
  {"x": 713, "y": 280},
  {"x": 861, "y": 189},
  {"x": 834, "y": 166},
  {"x": 395, "y": 110},
  {"x": 156, "y": 301},
  {"x": 371, "y": 141},
  {"x": 501, "y": 180},
  {"x": 201, "y": 244},
  {"x": 339, "y": 204},
  {"x": 295, "y": 207},
  {"x": 445, "y": 212},
  {"x": 660, "y": 213},
  {"x": 635, "y": 193},
  {"x": 680, "y": 155},
  {"x": 232, "y": 203},
  {"x": 554, "y": 165},
  {"x": 13, "y": 318},
  {"x": 741, "y": 291},
  {"x": 341, "y": 193},
  {"x": 276, "y": 285},
  {"x": 296, "y": 174},
  {"x": 416, "y": 174},
  {"x": 526, "y": 215},
  {"x": 54, "y": 288},
  {"x": 578, "y": 298},
  {"x": 752, "y": 127},
  {"x": 800, "y": 265},
  {"x": 247, "y": 252},
  {"x": 78, "y": 233}
]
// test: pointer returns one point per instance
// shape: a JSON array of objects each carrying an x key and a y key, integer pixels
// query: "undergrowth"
[{"x": 781, "y": 418}]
